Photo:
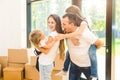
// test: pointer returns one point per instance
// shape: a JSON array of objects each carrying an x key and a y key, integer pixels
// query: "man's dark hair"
[{"x": 73, "y": 18}]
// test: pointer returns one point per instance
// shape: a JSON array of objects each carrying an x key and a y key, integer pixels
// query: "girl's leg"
[
  {"x": 93, "y": 58},
  {"x": 45, "y": 72}
]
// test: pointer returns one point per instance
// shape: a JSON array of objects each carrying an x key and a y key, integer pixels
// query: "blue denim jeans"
[
  {"x": 75, "y": 72},
  {"x": 93, "y": 58},
  {"x": 45, "y": 71},
  {"x": 67, "y": 62}
]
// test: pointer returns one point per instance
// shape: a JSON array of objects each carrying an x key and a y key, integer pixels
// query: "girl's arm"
[
  {"x": 99, "y": 43},
  {"x": 41, "y": 49},
  {"x": 45, "y": 49},
  {"x": 76, "y": 33}
]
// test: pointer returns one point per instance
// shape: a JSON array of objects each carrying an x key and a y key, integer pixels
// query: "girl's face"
[{"x": 51, "y": 24}]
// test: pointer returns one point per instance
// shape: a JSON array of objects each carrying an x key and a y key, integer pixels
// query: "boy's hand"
[{"x": 75, "y": 41}]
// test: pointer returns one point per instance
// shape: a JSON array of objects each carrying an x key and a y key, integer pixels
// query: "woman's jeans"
[
  {"x": 45, "y": 71},
  {"x": 75, "y": 72},
  {"x": 93, "y": 58}
]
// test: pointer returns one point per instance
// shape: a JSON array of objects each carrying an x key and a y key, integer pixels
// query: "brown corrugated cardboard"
[
  {"x": 0, "y": 70},
  {"x": 58, "y": 63},
  {"x": 3, "y": 62},
  {"x": 33, "y": 60},
  {"x": 56, "y": 77},
  {"x": 31, "y": 72},
  {"x": 16, "y": 64},
  {"x": 13, "y": 73},
  {"x": 17, "y": 56}
]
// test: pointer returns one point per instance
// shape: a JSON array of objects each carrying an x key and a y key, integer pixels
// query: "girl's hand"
[{"x": 75, "y": 41}]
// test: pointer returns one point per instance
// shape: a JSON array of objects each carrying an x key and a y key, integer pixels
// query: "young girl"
[{"x": 49, "y": 46}]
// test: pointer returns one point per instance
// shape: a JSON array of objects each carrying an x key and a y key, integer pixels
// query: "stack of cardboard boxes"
[
  {"x": 18, "y": 67},
  {"x": 32, "y": 73},
  {"x": 30, "y": 70},
  {"x": 17, "y": 58},
  {"x": 0, "y": 70}
]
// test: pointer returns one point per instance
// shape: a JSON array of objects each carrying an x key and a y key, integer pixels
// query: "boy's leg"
[{"x": 93, "y": 58}]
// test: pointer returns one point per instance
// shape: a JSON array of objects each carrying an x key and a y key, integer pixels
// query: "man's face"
[{"x": 66, "y": 25}]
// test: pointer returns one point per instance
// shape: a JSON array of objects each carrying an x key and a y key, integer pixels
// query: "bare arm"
[
  {"x": 99, "y": 43},
  {"x": 45, "y": 49},
  {"x": 70, "y": 35},
  {"x": 50, "y": 42}
]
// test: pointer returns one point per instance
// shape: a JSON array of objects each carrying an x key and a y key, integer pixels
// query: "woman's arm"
[
  {"x": 45, "y": 49},
  {"x": 50, "y": 42}
]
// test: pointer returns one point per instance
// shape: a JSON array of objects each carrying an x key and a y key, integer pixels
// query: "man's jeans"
[
  {"x": 45, "y": 71},
  {"x": 67, "y": 62},
  {"x": 93, "y": 58},
  {"x": 75, "y": 72}
]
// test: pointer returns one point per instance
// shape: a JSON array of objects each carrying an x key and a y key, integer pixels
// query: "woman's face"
[{"x": 51, "y": 24}]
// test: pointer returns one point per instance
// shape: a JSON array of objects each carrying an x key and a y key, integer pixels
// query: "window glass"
[
  {"x": 95, "y": 13},
  {"x": 42, "y": 9},
  {"x": 116, "y": 47}
]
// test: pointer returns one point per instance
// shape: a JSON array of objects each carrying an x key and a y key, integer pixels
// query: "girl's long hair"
[{"x": 59, "y": 30}]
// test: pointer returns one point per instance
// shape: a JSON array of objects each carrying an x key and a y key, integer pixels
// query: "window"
[{"x": 42, "y": 9}]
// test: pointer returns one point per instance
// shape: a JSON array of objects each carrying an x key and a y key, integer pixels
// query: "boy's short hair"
[{"x": 35, "y": 36}]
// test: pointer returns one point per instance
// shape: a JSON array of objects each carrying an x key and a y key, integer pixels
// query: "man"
[{"x": 80, "y": 61}]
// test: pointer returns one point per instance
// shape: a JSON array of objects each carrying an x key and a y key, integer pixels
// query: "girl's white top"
[{"x": 47, "y": 59}]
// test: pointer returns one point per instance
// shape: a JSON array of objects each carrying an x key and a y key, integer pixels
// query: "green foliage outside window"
[{"x": 42, "y": 9}]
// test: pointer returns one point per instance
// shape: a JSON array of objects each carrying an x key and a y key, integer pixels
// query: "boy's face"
[{"x": 51, "y": 24}]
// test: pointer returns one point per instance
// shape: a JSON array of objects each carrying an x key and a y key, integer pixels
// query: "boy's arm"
[{"x": 99, "y": 43}]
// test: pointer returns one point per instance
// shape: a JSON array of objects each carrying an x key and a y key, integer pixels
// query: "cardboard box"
[
  {"x": 0, "y": 70},
  {"x": 17, "y": 56},
  {"x": 3, "y": 62},
  {"x": 13, "y": 73},
  {"x": 56, "y": 77},
  {"x": 33, "y": 60},
  {"x": 58, "y": 63},
  {"x": 16, "y": 65},
  {"x": 31, "y": 72}
]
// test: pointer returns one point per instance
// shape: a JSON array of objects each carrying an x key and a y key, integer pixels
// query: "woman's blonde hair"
[{"x": 75, "y": 10}]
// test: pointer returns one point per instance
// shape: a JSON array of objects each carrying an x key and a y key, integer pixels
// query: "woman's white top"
[
  {"x": 79, "y": 54},
  {"x": 47, "y": 59}
]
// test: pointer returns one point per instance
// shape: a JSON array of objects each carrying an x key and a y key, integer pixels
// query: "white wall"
[{"x": 12, "y": 25}]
